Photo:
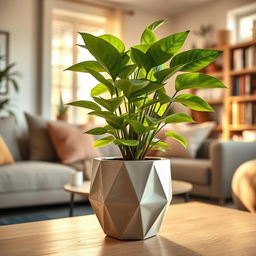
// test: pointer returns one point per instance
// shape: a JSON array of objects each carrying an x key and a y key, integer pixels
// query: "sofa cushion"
[
  {"x": 71, "y": 143},
  {"x": 5, "y": 154},
  {"x": 33, "y": 175},
  {"x": 41, "y": 147},
  {"x": 9, "y": 135},
  {"x": 196, "y": 171},
  {"x": 195, "y": 135}
]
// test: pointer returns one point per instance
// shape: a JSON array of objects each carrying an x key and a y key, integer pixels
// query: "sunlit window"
[
  {"x": 241, "y": 22},
  {"x": 72, "y": 86},
  {"x": 246, "y": 26}
]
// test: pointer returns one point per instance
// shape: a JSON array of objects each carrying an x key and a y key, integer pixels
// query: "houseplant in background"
[
  {"x": 62, "y": 110},
  {"x": 131, "y": 194},
  {"x": 7, "y": 76}
]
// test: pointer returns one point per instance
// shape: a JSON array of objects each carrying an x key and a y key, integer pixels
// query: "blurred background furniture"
[{"x": 244, "y": 186}]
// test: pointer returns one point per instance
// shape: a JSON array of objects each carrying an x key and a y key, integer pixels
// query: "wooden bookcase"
[{"x": 235, "y": 107}]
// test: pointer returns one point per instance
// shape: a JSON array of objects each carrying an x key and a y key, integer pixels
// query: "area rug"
[{"x": 23, "y": 215}]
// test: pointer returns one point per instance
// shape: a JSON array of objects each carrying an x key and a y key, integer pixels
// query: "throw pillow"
[
  {"x": 5, "y": 154},
  {"x": 9, "y": 135},
  {"x": 195, "y": 135},
  {"x": 41, "y": 146},
  {"x": 70, "y": 142}
]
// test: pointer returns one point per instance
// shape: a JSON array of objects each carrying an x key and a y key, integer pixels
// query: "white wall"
[
  {"x": 19, "y": 18},
  {"x": 214, "y": 13}
]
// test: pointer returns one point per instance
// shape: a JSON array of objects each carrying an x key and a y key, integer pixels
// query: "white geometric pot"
[{"x": 130, "y": 198}]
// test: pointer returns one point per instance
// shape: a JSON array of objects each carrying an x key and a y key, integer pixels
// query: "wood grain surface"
[{"x": 189, "y": 229}]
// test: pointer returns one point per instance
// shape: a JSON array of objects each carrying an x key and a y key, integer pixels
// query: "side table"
[
  {"x": 181, "y": 188},
  {"x": 82, "y": 190}
]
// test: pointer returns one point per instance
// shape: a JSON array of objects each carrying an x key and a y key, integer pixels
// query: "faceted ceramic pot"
[{"x": 130, "y": 198}]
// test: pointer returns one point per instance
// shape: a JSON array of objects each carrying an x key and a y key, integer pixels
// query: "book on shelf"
[
  {"x": 244, "y": 58},
  {"x": 250, "y": 57},
  {"x": 244, "y": 85},
  {"x": 238, "y": 59},
  {"x": 244, "y": 113}
]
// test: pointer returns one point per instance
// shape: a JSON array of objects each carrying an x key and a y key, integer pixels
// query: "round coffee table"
[
  {"x": 178, "y": 188},
  {"x": 82, "y": 190},
  {"x": 181, "y": 188}
]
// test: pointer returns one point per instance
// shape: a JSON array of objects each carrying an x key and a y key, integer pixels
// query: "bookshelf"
[{"x": 235, "y": 107}]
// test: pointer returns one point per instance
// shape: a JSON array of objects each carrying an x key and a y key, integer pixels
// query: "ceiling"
[{"x": 166, "y": 7}]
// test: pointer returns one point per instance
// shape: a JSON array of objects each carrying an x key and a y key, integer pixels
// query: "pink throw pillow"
[{"x": 70, "y": 143}]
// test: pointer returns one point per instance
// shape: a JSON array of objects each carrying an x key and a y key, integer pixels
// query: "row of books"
[
  {"x": 244, "y": 58},
  {"x": 244, "y": 113},
  {"x": 244, "y": 85}
]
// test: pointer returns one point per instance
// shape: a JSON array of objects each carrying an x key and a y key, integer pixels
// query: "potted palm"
[
  {"x": 131, "y": 194},
  {"x": 7, "y": 75},
  {"x": 62, "y": 113}
]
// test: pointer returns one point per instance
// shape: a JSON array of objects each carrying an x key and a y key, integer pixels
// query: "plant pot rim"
[{"x": 120, "y": 159}]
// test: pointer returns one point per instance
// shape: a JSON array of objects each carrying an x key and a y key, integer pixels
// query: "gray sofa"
[{"x": 27, "y": 183}]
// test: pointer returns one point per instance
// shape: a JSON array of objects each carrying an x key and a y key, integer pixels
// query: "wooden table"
[{"x": 190, "y": 229}]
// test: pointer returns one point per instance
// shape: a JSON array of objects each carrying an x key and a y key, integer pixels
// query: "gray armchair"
[
  {"x": 225, "y": 158},
  {"x": 211, "y": 172}
]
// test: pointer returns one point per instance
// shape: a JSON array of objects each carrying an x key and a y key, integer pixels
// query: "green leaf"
[
  {"x": 126, "y": 71},
  {"x": 113, "y": 120},
  {"x": 113, "y": 40},
  {"x": 194, "y": 59},
  {"x": 177, "y": 137},
  {"x": 160, "y": 145},
  {"x": 131, "y": 143},
  {"x": 178, "y": 118},
  {"x": 193, "y": 102},
  {"x": 148, "y": 37},
  {"x": 153, "y": 121},
  {"x": 164, "y": 74},
  {"x": 98, "y": 90},
  {"x": 155, "y": 25},
  {"x": 141, "y": 59},
  {"x": 136, "y": 126},
  {"x": 97, "y": 131},
  {"x": 196, "y": 81},
  {"x": 85, "y": 65},
  {"x": 102, "y": 79},
  {"x": 151, "y": 87},
  {"x": 125, "y": 58},
  {"x": 160, "y": 108},
  {"x": 85, "y": 104},
  {"x": 148, "y": 103},
  {"x": 142, "y": 47},
  {"x": 109, "y": 104},
  {"x": 130, "y": 86},
  {"x": 103, "y": 142},
  {"x": 162, "y": 50},
  {"x": 105, "y": 53}
]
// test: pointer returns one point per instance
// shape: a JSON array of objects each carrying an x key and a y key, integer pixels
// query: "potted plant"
[
  {"x": 131, "y": 194},
  {"x": 62, "y": 110},
  {"x": 7, "y": 76}
]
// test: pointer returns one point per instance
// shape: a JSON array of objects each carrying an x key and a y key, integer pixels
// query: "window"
[
  {"x": 246, "y": 24},
  {"x": 241, "y": 21},
  {"x": 72, "y": 86}
]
